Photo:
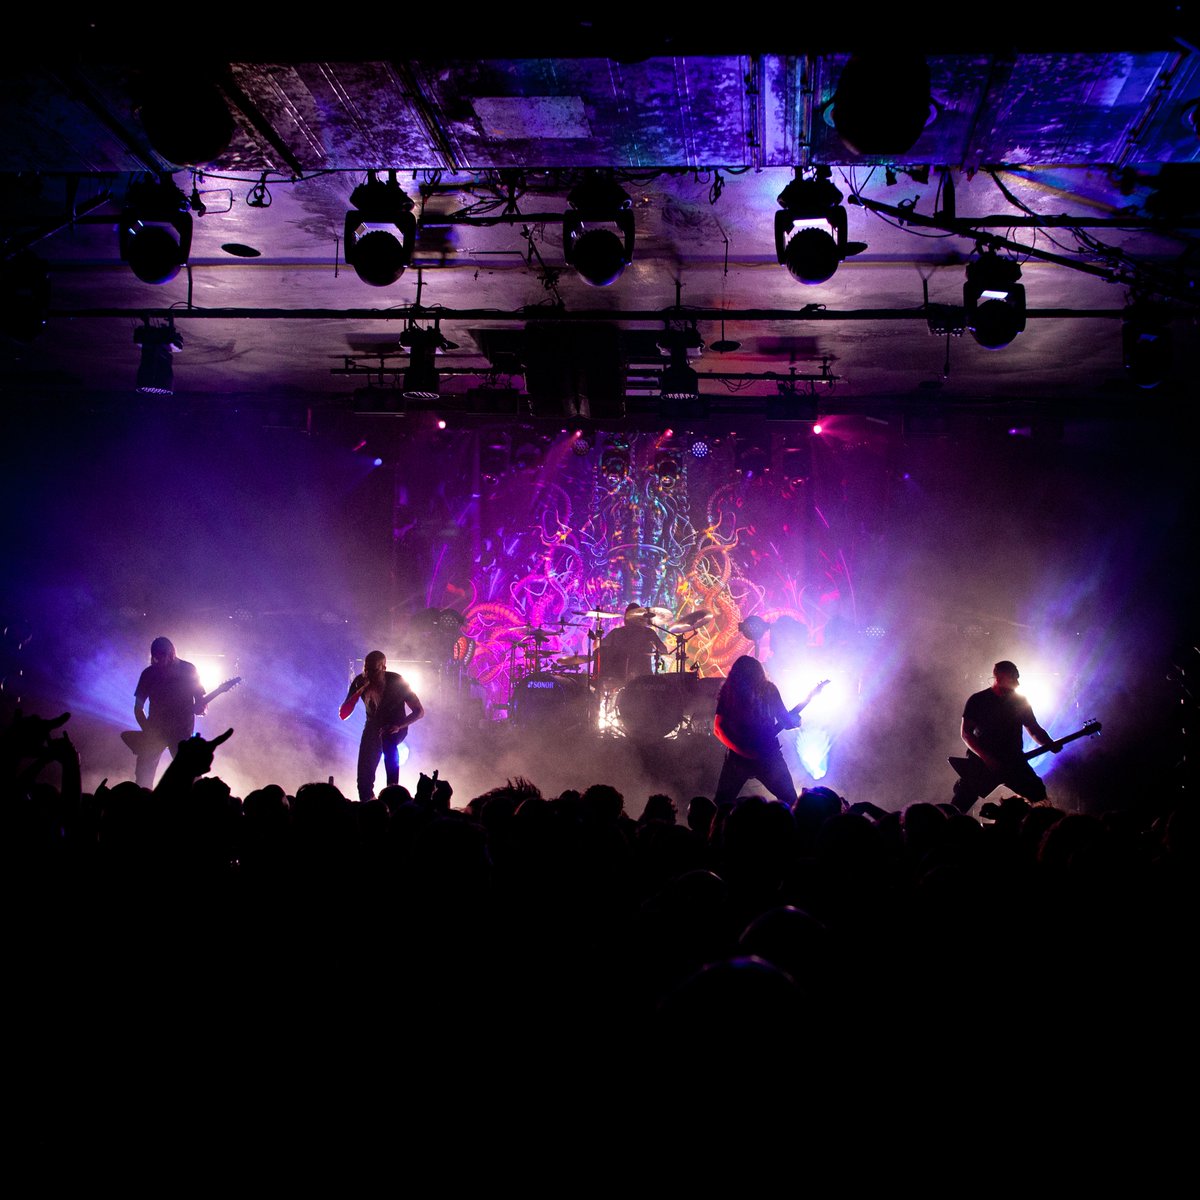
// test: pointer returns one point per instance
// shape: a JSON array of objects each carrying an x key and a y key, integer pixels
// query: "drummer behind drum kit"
[{"x": 571, "y": 690}]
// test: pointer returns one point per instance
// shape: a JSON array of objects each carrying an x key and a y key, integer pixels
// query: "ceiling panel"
[{"x": 704, "y": 143}]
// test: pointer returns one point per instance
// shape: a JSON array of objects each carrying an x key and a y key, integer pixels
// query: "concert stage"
[{"x": 900, "y": 567}]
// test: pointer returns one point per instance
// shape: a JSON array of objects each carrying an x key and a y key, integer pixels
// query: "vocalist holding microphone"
[{"x": 391, "y": 707}]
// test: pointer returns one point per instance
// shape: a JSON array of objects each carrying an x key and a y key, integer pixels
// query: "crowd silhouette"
[{"x": 278, "y": 945}]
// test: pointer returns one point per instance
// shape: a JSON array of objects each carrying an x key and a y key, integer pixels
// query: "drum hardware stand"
[
  {"x": 683, "y": 631},
  {"x": 605, "y": 721},
  {"x": 594, "y": 635}
]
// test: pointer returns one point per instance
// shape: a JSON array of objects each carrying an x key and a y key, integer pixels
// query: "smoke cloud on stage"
[{"x": 899, "y": 568}]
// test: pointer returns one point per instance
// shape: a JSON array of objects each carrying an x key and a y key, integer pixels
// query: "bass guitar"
[
  {"x": 143, "y": 740},
  {"x": 979, "y": 776}
]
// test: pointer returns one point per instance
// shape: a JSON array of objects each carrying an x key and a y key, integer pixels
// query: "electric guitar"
[
  {"x": 797, "y": 709},
  {"x": 764, "y": 744},
  {"x": 979, "y": 776},
  {"x": 141, "y": 741}
]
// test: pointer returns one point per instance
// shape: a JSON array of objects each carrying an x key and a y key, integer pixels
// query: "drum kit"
[
  {"x": 569, "y": 690},
  {"x": 538, "y": 690}
]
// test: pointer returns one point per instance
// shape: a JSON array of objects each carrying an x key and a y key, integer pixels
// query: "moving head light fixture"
[
  {"x": 380, "y": 230},
  {"x": 155, "y": 233},
  {"x": 811, "y": 253},
  {"x": 421, "y": 380},
  {"x": 993, "y": 300},
  {"x": 594, "y": 250},
  {"x": 679, "y": 385}
]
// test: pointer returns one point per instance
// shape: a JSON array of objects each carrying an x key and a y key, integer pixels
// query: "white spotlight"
[
  {"x": 1041, "y": 689},
  {"x": 212, "y": 668}
]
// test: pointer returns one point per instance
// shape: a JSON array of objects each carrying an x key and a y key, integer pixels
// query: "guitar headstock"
[
  {"x": 1090, "y": 728},
  {"x": 227, "y": 686}
]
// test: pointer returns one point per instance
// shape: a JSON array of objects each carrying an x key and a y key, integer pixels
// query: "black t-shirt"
[
  {"x": 388, "y": 708},
  {"x": 998, "y": 720},
  {"x": 628, "y": 651},
  {"x": 172, "y": 689},
  {"x": 753, "y": 723}
]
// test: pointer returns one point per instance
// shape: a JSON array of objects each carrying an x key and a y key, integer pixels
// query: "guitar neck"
[
  {"x": 222, "y": 688},
  {"x": 803, "y": 704},
  {"x": 1086, "y": 731}
]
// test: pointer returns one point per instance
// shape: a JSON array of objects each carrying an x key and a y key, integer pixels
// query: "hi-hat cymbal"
[
  {"x": 540, "y": 635},
  {"x": 573, "y": 660},
  {"x": 697, "y": 619},
  {"x": 599, "y": 612}
]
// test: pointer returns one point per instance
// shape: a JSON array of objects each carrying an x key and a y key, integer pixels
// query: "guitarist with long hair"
[
  {"x": 176, "y": 698},
  {"x": 992, "y": 726},
  {"x": 749, "y": 717}
]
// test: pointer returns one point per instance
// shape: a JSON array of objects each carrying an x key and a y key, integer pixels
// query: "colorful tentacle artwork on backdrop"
[
  {"x": 527, "y": 578},
  {"x": 716, "y": 582},
  {"x": 638, "y": 535},
  {"x": 615, "y": 528}
]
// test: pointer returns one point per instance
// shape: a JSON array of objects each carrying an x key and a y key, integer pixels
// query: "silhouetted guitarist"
[
  {"x": 992, "y": 726},
  {"x": 176, "y": 698}
]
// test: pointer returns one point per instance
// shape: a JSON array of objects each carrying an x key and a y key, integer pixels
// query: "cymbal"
[
  {"x": 599, "y": 612},
  {"x": 540, "y": 635},
  {"x": 574, "y": 660},
  {"x": 697, "y": 619},
  {"x": 649, "y": 614}
]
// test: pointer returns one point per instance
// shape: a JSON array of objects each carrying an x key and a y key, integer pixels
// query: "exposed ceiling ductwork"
[{"x": 1072, "y": 163}]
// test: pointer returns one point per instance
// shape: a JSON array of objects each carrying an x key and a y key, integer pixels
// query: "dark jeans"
[
  {"x": 155, "y": 744},
  {"x": 378, "y": 744},
  {"x": 1019, "y": 777},
  {"x": 147, "y": 767},
  {"x": 772, "y": 772}
]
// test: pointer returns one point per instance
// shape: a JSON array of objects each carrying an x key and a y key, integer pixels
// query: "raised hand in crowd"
[
  {"x": 193, "y": 759},
  {"x": 27, "y": 737}
]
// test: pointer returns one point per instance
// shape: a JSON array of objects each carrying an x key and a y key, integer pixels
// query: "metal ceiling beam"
[
  {"x": 408, "y": 76},
  {"x": 609, "y": 315},
  {"x": 259, "y": 121},
  {"x": 144, "y": 156},
  {"x": 400, "y": 365},
  {"x": 969, "y": 227},
  {"x": 75, "y": 216}
]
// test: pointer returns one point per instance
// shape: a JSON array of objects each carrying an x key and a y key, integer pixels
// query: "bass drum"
[
  {"x": 544, "y": 698},
  {"x": 651, "y": 707},
  {"x": 700, "y": 705}
]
